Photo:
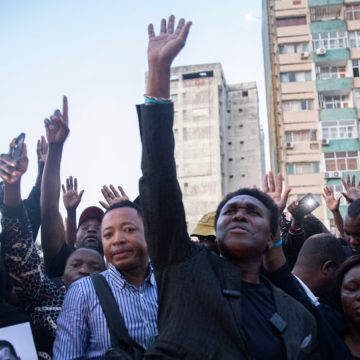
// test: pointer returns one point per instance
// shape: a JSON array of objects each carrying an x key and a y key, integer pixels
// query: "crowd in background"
[{"x": 263, "y": 279}]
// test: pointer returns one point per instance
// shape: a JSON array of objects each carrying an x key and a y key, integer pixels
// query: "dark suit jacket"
[{"x": 200, "y": 312}]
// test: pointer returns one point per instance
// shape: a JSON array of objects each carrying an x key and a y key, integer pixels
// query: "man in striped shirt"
[{"x": 82, "y": 329}]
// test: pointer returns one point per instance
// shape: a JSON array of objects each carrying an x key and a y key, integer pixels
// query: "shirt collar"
[
  {"x": 118, "y": 278},
  {"x": 309, "y": 293}
]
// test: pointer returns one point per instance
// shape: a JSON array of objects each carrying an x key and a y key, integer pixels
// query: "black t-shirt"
[{"x": 258, "y": 307}]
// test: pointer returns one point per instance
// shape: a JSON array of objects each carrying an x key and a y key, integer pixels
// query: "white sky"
[{"x": 94, "y": 51}]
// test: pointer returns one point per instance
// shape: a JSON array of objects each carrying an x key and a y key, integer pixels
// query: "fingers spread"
[
  {"x": 171, "y": 24},
  {"x": 163, "y": 26},
  {"x": 151, "y": 31}
]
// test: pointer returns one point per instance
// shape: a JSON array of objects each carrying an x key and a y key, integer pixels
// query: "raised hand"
[
  {"x": 352, "y": 190},
  {"x": 164, "y": 47},
  {"x": 331, "y": 203},
  {"x": 71, "y": 197},
  {"x": 41, "y": 151},
  {"x": 11, "y": 170},
  {"x": 275, "y": 191},
  {"x": 57, "y": 127},
  {"x": 112, "y": 196}
]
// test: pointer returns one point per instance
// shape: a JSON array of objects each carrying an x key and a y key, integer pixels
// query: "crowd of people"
[{"x": 128, "y": 282}]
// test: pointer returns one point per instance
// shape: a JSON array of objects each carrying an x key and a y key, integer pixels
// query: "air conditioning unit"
[
  {"x": 289, "y": 145},
  {"x": 320, "y": 51},
  {"x": 305, "y": 55},
  {"x": 332, "y": 175},
  {"x": 325, "y": 142}
]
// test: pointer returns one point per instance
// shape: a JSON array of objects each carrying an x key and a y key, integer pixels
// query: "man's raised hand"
[
  {"x": 11, "y": 170},
  {"x": 71, "y": 197},
  {"x": 57, "y": 127},
  {"x": 163, "y": 48},
  {"x": 112, "y": 196},
  {"x": 275, "y": 191}
]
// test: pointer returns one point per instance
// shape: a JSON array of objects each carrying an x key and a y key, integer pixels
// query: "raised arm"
[
  {"x": 71, "y": 199},
  {"x": 52, "y": 226},
  {"x": 334, "y": 206},
  {"x": 32, "y": 203},
  {"x": 164, "y": 217}
]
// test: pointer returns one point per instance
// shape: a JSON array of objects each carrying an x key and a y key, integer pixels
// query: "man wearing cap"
[{"x": 205, "y": 232}]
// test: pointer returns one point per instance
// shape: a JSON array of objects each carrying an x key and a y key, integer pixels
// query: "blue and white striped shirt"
[{"x": 82, "y": 330}]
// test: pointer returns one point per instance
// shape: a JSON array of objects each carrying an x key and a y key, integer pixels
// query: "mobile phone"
[
  {"x": 308, "y": 204},
  {"x": 16, "y": 146}
]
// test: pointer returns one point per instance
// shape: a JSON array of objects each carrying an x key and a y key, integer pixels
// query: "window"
[
  {"x": 352, "y": 12},
  {"x": 244, "y": 93},
  {"x": 198, "y": 75},
  {"x": 291, "y": 21},
  {"x": 329, "y": 40},
  {"x": 300, "y": 135},
  {"x": 294, "y": 48},
  {"x": 357, "y": 97},
  {"x": 339, "y": 161},
  {"x": 334, "y": 102},
  {"x": 302, "y": 168},
  {"x": 340, "y": 129},
  {"x": 295, "y": 76},
  {"x": 356, "y": 66},
  {"x": 354, "y": 39},
  {"x": 297, "y": 105},
  {"x": 330, "y": 72}
]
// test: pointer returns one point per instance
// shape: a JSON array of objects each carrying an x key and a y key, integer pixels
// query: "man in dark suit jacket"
[{"x": 210, "y": 307}]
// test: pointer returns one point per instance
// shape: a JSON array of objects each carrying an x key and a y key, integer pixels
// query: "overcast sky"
[{"x": 94, "y": 51}]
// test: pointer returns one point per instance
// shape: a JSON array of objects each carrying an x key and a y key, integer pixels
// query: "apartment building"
[
  {"x": 312, "y": 59},
  {"x": 217, "y": 133}
]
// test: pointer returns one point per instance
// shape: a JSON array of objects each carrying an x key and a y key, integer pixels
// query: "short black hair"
[
  {"x": 320, "y": 248},
  {"x": 122, "y": 204},
  {"x": 345, "y": 267},
  {"x": 312, "y": 226},
  {"x": 354, "y": 209},
  {"x": 262, "y": 197}
]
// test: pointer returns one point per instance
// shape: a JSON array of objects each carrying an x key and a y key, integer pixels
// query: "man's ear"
[{"x": 328, "y": 268}]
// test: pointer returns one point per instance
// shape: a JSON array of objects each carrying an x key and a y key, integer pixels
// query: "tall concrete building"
[
  {"x": 217, "y": 134},
  {"x": 312, "y": 61}
]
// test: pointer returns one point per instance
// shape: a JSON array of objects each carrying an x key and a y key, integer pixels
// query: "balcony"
[
  {"x": 340, "y": 86},
  {"x": 338, "y": 114},
  {"x": 315, "y": 3},
  {"x": 328, "y": 26},
  {"x": 336, "y": 57},
  {"x": 297, "y": 87},
  {"x": 341, "y": 145}
]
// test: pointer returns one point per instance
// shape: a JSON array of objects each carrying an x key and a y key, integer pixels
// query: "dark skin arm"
[
  {"x": 333, "y": 205},
  {"x": 71, "y": 199},
  {"x": 162, "y": 50},
  {"x": 52, "y": 227},
  {"x": 41, "y": 151},
  {"x": 274, "y": 258}
]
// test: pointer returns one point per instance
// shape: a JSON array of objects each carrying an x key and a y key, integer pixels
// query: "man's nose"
[{"x": 240, "y": 215}]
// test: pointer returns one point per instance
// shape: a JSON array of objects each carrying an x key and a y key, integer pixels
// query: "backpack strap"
[{"x": 117, "y": 328}]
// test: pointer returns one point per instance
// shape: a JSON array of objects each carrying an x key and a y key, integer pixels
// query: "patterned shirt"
[
  {"x": 41, "y": 297},
  {"x": 82, "y": 328}
]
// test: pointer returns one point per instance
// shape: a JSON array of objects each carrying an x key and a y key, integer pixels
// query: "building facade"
[
  {"x": 312, "y": 59},
  {"x": 217, "y": 133}
]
